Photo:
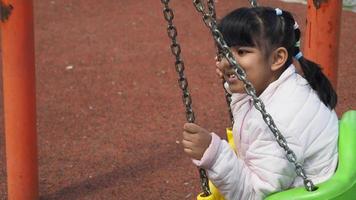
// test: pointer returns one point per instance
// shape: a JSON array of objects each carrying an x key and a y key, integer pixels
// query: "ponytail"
[
  {"x": 319, "y": 82},
  {"x": 314, "y": 75}
]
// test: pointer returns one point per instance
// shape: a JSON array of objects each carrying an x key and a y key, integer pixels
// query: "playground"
[{"x": 109, "y": 109}]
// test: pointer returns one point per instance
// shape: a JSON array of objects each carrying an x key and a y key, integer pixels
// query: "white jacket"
[{"x": 260, "y": 166}]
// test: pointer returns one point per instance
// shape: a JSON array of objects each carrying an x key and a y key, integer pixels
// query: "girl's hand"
[
  {"x": 218, "y": 70},
  {"x": 221, "y": 66},
  {"x": 195, "y": 140}
]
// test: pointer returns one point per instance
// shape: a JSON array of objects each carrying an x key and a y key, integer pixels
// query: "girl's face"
[{"x": 256, "y": 66}]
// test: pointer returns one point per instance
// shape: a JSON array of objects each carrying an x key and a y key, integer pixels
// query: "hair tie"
[
  {"x": 295, "y": 26},
  {"x": 278, "y": 11},
  {"x": 297, "y": 44},
  {"x": 298, "y": 56}
]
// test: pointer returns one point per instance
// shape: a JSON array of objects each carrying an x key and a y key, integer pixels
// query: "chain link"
[
  {"x": 253, "y": 3},
  {"x": 182, "y": 81},
  {"x": 250, "y": 90},
  {"x": 211, "y": 8},
  {"x": 212, "y": 13},
  {"x": 179, "y": 64}
]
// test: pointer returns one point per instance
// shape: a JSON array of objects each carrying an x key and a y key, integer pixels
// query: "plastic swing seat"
[{"x": 341, "y": 186}]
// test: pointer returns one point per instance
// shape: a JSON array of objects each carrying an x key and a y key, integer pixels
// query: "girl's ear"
[{"x": 279, "y": 58}]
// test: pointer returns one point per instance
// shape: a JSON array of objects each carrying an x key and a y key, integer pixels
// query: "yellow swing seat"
[{"x": 341, "y": 186}]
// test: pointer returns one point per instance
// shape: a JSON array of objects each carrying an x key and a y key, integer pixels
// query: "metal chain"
[
  {"x": 183, "y": 83},
  {"x": 212, "y": 13},
  {"x": 210, "y": 22},
  {"x": 211, "y": 8},
  {"x": 253, "y": 3}
]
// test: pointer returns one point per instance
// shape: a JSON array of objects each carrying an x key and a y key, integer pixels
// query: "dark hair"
[{"x": 261, "y": 27}]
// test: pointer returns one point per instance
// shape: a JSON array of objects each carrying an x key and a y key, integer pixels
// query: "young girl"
[{"x": 264, "y": 42}]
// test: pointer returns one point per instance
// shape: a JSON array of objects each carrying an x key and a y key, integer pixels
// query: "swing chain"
[
  {"x": 212, "y": 13},
  {"x": 250, "y": 90},
  {"x": 179, "y": 64},
  {"x": 183, "y": 83},
  {"x": 211, "y": 8},
  {"x": 253, "y": 3}
]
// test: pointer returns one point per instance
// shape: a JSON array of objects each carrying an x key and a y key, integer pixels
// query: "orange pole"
[
  {"x": 17, "y": 39},
  {"x": 322, "y": 35}
]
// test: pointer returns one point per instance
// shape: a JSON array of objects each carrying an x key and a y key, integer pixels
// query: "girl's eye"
[{"x": 241, "y": 52}]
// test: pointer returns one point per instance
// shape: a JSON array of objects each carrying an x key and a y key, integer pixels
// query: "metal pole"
[
  {"x": 322, "y": 35},
  {"x": 17, "y": 39}
]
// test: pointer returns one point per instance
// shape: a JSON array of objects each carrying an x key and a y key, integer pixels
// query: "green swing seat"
[{"x": 342, "y": 186}]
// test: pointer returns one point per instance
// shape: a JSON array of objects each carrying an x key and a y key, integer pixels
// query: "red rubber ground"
[{"x": 109, "y": 107}]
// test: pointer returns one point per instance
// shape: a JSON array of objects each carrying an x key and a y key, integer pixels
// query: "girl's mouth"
[{"x": 231, "y": 78}]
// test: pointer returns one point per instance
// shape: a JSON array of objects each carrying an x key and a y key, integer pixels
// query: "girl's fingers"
[
  {"x": 187, "y": 136},
  {"x": 187, "y": 144},
  {"x": 224, "y": 63},
  {"x": 192, "y": 154},
  {"x": 192, "y": 128},
  {"x": 189, "y": 148},
  {"x": 219, "y": 73},
  {"x": 188, "y": 151}
]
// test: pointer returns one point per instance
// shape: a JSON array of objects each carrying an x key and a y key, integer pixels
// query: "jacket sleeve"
[{"x": 263, "y": 170}]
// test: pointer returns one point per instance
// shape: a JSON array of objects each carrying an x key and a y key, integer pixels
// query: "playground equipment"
[
  {"x": 17, "y": 39},
  {"x": 223, "y": 50},
  {"x": 322, "y": 33},
  {"x": 342, "y": 185}
]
